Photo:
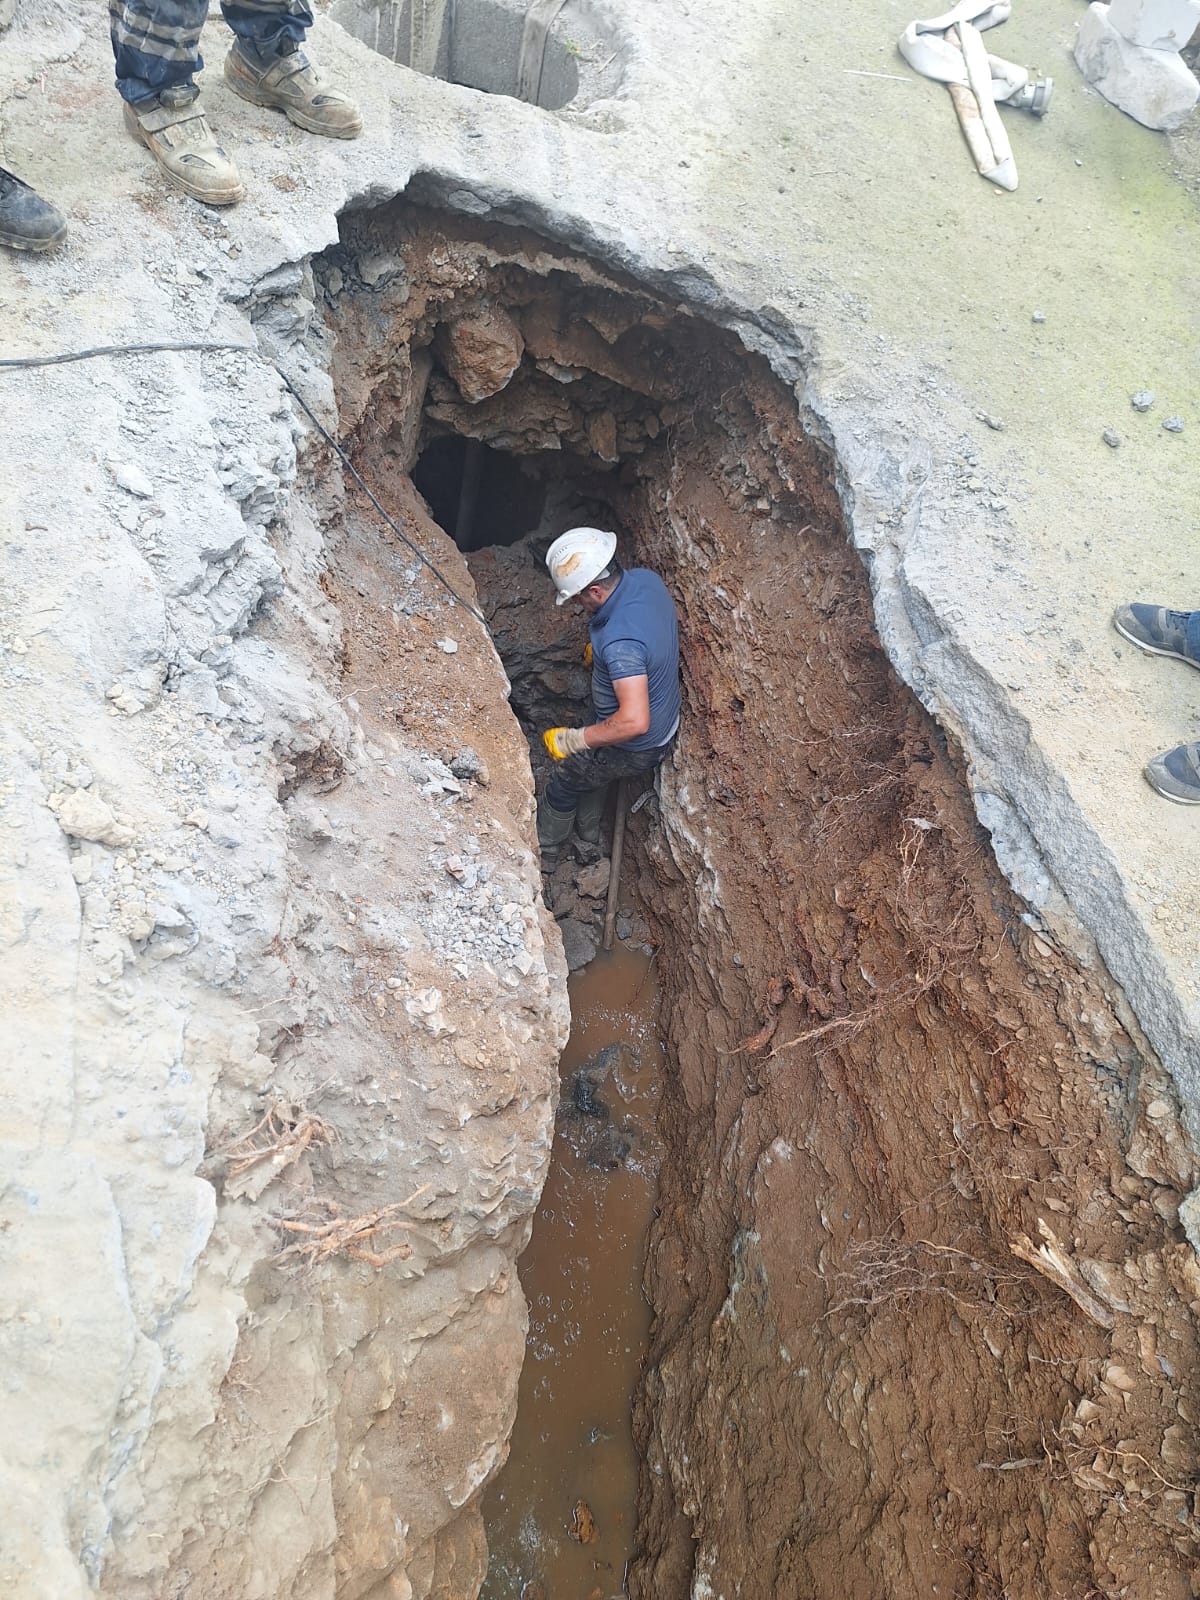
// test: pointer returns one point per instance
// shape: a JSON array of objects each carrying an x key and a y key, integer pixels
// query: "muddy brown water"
[{"x": 588, "y": 1320}]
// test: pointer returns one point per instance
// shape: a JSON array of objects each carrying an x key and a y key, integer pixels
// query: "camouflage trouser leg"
[{"x": 156, "y": 43}]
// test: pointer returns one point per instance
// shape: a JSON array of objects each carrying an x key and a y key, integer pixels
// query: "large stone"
[
  {"x": 1161, "y": 24},
  {"x": 579, "y": 943},
  {"x": 480, "y": 352},
  {"x": 1155, "y": 87}
]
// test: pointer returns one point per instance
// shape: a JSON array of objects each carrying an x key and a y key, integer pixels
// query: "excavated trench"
[{"x": 923, "y": 1319}]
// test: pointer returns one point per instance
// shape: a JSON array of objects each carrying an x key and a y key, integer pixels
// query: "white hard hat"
[{"x": 577, "y": 558}]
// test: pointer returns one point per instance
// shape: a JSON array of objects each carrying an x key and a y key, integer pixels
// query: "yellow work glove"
[
  {"x": 587, "y": 654},
  {"x": 564, "y": 742}
]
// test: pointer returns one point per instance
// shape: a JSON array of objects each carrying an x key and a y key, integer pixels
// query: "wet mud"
[{"x": 560, "y": 1515}]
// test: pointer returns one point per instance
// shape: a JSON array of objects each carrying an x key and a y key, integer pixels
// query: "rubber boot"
[
  {"x": 27, "y": 222},
  {"x": 174, "y": 129},
  {"x": 553, "y": 831},
  {"x": 589, "y": 814},
  {"x": 287, "y": 80}
]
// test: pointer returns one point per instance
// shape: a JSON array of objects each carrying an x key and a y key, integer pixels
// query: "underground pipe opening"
[
  {"x": 914, "y": 1216},
  {"x": 567, "y": 58}
]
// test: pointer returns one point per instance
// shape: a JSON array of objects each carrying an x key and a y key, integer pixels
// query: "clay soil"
[{"x": 924, "y": 1319}]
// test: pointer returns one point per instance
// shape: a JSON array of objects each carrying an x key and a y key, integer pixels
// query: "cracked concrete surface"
[{"x": 747, "y": 167}]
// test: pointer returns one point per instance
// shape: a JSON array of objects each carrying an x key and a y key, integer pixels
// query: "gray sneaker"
[
  {"x": 1176, "y": 774},
  {"x": 1155, "y": 629}
]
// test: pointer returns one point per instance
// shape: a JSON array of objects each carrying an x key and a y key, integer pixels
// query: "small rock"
[
  {"x": 583, "y": 1524},
  {"x": 448, "y": 647},
  {"x": 468, "y": 764},
  {"x": 1173, "y": 424},
  {"x": 610, "y": 1149},
  {"x": 593, "y": 881},
  {"x": 1111, "y": 438},
  {"x": 1039, "y": 316},
  {"x": 624, "y": 924},
  {"x": 1158, "y": 1109},
  {"x": 83, "y": 815},
  {"x": 1119, "y": 1378},
  {"x": 1142, "y": 400},
  {"x": 992, "y": 422},
  {"x": 455, "y": 867},
  {"x": 130, "y": 478},
  {"x": 197, "y": 819}
]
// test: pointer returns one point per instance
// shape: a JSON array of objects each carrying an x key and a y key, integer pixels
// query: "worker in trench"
[{"x": 633, "y": 651}]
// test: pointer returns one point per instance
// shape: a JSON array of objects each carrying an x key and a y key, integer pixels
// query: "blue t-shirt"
[{"x": 635, "y": 634}]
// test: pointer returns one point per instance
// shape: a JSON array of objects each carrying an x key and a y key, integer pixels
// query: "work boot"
[
  {"x": 174, "y": 129},
  {"x": 1155, "y": 629},
  {"x": 288, "y": 80},
  {"x": 589, "y": 813},
  {"x": 553, "y": 830},
  {"x": 1176, "y": 774},
  {"x": 27, "y": 222}
]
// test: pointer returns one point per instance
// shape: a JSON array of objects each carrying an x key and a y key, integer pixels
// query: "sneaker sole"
[
  {"x": 1154, "y": 649},
  {"x": 1168, "y": 796},
  {"x": 253, "y": 96}
]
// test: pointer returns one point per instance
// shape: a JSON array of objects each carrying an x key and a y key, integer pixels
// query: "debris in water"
[{"x": 583, "y": 1524}]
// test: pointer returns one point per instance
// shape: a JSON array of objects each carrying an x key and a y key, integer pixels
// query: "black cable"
[
  {"x": 118, "y": 350},
  {"x": 249, "y": 349},
  {"x": 356, "y": 475}
]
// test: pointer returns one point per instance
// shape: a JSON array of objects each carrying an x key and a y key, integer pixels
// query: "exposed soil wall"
[{"x": 925, "y": 1319}]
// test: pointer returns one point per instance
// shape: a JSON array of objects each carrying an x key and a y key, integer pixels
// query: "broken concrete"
[{"x": 1149, "y": 82}]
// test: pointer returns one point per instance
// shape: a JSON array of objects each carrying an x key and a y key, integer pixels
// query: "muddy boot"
[
  {"x": 27, "y": 222},
  {"x": 553, "y": 830},
  {"x": 287, "y": 80},
  {"x": 589, "y": 814},
  {"x": 174, "y": 129}
]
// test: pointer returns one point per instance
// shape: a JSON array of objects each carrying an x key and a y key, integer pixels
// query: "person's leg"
[
  {"x": 571, "y": 783},
  {"x": 589, "y": 813},
  {"x": 267, "y": 67},
  {"x": 156, "y": 45},
  {"x": 267, "y": 25},
  {"x": 156, "y": 49}
]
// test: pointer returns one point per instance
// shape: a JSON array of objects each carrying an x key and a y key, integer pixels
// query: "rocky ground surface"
[{"x": 287, "y": 1002}]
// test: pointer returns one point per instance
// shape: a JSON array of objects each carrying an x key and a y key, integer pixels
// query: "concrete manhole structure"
[{"x": 568, "y": 57}]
